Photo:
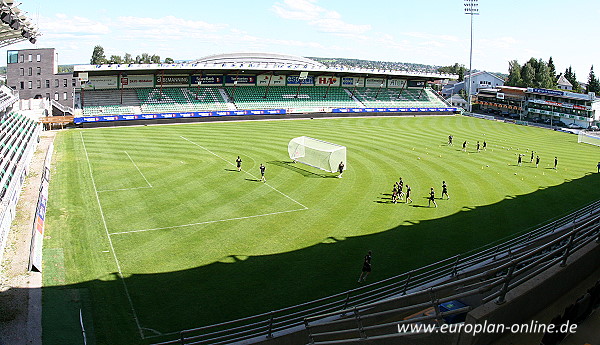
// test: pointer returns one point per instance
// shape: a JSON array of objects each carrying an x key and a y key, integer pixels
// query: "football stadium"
[{"x": 259, "y": 198}]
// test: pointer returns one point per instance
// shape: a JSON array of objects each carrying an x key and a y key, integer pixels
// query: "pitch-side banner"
[
  {"x": 109, "y": 118},
  {"x": 416, "y": 84},
  {"x": 271, "y": 80},
  {"x": 38, "y": 234},
  {"x": 393, "y": 110}
]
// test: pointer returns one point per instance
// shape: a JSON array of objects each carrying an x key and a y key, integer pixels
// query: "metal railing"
[{"x": 290, "y": 319}]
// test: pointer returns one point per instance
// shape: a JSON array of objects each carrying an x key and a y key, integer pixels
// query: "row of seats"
[
  {"x": 187, "y": 99},
  {"x": 15, "y": 133},
  {"x": 407, "y": 98},
  {"x": 261, "y": 97}
]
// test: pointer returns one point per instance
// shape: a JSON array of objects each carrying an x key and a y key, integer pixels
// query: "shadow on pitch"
[
  {"x": 297, "y": 168},
  {"x": 252, "y": 179},
  {"x": 231, "y": 170}
]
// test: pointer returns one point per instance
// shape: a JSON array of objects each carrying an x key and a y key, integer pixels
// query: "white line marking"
[
  {"x": 115, "y": 190},
  {"x": 254, "y": 177},
  {"x": 207, "y": 222},
  {"x": 138, "y": 169},
  {"x": 137, "y": 321}
]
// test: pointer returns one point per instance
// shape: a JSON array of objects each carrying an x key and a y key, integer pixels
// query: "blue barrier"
[
  {"x": 392, "y": 110},
  {"x": 87, "y": 119}
]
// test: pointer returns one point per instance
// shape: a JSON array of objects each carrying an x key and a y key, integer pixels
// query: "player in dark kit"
[
  {"x": 555, "y": 162},
  {"x": 537, "y": 161},
  {"x": 341, "y": 169},
  {"x": 445, "y": 190},
  {"x": 366, "y": 269},
  {"x": 531, "y": 159},
  {"x": 238, "y": 163},
  {"x": 431, "y": 198},
  {"x": 520, "y": 159},
  {"x": 450, "y": 140},
  {"x": 262, "y": 173},
  {"x": 464, "y": 146},
  {"x": 408, "y": 190},
  {"x": 484, "y": 145},
  {"x": 478, "y": 147},
  {"x": 599, "y": 167}
]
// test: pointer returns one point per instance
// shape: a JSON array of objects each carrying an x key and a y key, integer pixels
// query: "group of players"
[
  {"x": 537, "y": 159},
  {"x": 398, "y": 193},
  {"x": 480, "y": 146}
]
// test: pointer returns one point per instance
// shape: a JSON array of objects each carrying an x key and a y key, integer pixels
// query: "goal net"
[
  {"x": 317, "y": 153},
  {"x": 593, "y": 139}
]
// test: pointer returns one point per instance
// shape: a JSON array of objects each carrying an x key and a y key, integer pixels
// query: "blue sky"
[{"x": 430, "y": 32}]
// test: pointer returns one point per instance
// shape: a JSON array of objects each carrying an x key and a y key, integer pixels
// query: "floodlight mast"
[{"x": 471, "y": 8}]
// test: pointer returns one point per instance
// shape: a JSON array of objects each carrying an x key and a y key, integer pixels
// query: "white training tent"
[{"x": 317, "y": 153}]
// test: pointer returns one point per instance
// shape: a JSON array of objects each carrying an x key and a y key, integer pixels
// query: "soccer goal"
[
  {"x": 317, "y": 153},
  {"x": 593, "y": 139}
]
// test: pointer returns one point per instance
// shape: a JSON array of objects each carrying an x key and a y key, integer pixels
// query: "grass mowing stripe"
[{"x": 109, "y": 239}]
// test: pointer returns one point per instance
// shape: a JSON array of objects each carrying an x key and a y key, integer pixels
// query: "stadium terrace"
[{"x": 248, "y": 84}]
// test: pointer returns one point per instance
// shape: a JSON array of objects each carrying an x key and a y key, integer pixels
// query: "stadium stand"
[
  {"x": 15, "y": 134},
  {"x": 276, "y": 97},
  {"x": 407, "y": 98},
  {"x": 108, "y": 102},
  {"x": 178, "y": 99}
]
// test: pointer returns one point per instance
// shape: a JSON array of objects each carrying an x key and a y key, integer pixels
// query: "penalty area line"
[
  {"x": 207, "y": 222},
  {"x": 254, "y": 177}
]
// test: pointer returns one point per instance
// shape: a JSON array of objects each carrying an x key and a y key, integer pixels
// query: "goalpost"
[
  {"x": 588, "y": 138},
  {"x": 317, "y": 153}
]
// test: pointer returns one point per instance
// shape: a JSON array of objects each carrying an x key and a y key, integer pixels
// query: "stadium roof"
[
  {"x": 14, "y": 25},
  {"x": 259, "y": 58}
]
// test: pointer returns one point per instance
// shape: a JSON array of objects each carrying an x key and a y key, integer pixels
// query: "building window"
[
  {"x": 48, "y": 84},
  {"x": 21, "y": 71},
  {"x": 47, "y": 95},
  {"x": 29, "y": 58},
  {"x": 64, "y": 82},
  {"x": 30, "y": 70},
  {"x": 22, "y": 85},
  {"x": 39, "y": 84},
  {"x": 38, "y": 58},
  {"x": 64, "y": 96},
  {"x": 13, "y": 56},
  {"x": 56, "y": 83},
  {"x": 73, "y": 82},
  {"x": 39, "y": 71},
  {"x": 56, "y": 96},
  {"x": 21, "y": 58},
  {"x": 30, "y": 84}
]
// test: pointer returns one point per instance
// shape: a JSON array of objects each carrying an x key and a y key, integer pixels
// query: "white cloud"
[
  {"x": 78, "y": 26},
  {"x": 319, "y": 17}
]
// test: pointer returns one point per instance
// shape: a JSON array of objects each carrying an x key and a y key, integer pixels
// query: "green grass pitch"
[{"x": 198, "y": 242}]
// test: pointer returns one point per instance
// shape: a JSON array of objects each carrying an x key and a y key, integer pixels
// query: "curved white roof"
[{"x": 254, "y": 58}]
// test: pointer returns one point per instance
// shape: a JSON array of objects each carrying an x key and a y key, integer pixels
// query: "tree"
[
  {"x": 138, "y": 59},
  {"x": 572, "y": 78},
  {"x": 145, "y": 58},
  {"x": 98, "y": 57},
  {"x": 115, "y": 59},
  {"x": 528, "y": 75},
  {"x": 155, "y": 59},
  {"x": 552, "y": 69},
  {"x": 514, "y": 74},
  {"x": 542, "y": 76},
  {"x": 593, "y": 83},
  {"x": 127, "y": 58},
  {"x": 169, "y": 60},
  {"x": 461, "y": 73}
]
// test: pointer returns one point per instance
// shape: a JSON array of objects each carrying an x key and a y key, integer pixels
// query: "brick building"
[{"x": 34, "y": 74}]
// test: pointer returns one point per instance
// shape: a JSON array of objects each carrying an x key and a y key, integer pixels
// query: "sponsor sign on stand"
[
  {"x": 206, "y": 80},
  {"x": 173, "y": 80},
  {"x": 137, "y": 81},
  {"x": 397, "y": 83},
  {"x": 275, "y": 80},
  {"x": 325, "y": 80},
  {"x": 245, "y": 80},
  {"x": 101, "y": 83}
]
